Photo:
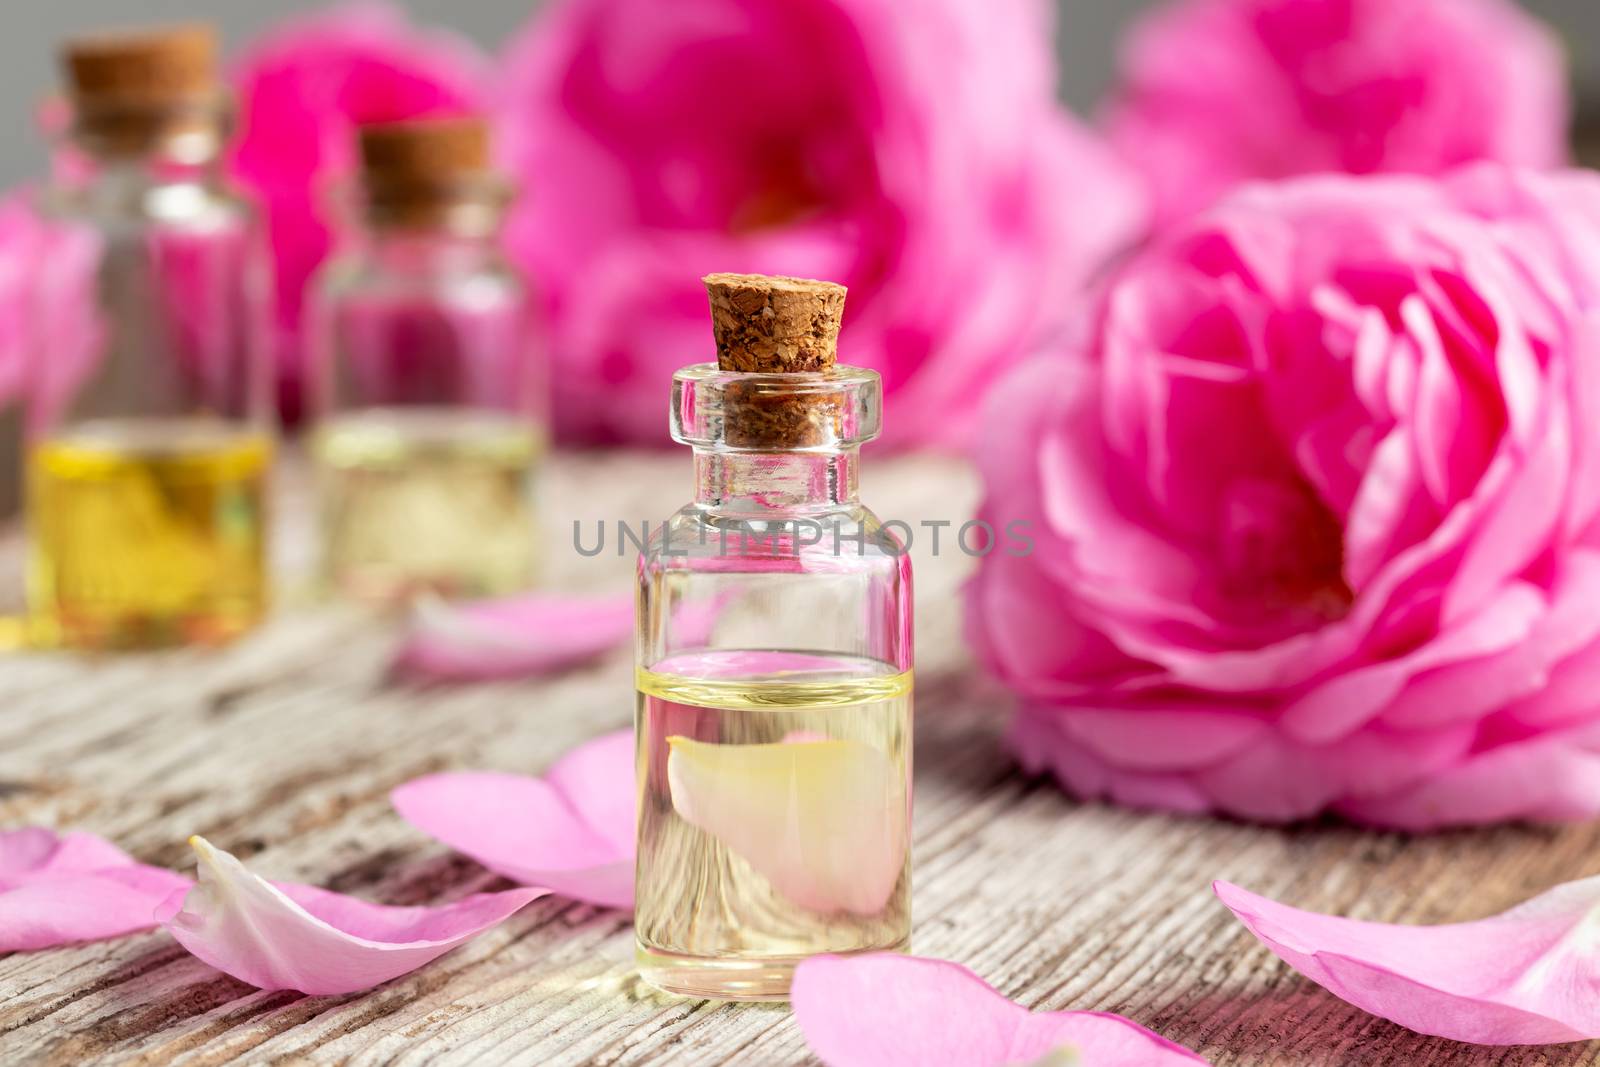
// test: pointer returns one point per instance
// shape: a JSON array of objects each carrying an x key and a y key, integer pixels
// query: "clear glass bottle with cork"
[
  {"x": 774, "y": 746},
  {"x": 149, "y": 437},
  {"x": 427, "y": 391}
]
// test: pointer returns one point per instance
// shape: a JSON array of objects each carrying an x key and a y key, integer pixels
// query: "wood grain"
[{"x": 283, "y": 749}]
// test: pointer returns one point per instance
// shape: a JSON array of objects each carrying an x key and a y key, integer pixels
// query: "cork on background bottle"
[
  {"x": 133, "y": 92},
  {"x": 430, "y": 172}
]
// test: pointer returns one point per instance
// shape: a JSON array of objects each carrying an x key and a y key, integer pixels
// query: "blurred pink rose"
[
  {"x": 1216, "y": 92},
  {"x": 1316, "y": 522},
  {"x": 914, "y": 152},
  {"x": 302, "y": 91},
  {"x": 51, "y": 333},
  {"x": 19, "y": 247}
]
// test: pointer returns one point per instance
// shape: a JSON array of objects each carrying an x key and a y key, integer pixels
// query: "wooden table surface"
[{"x": 283, "y": 749}]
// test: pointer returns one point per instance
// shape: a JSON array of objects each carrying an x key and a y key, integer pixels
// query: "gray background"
[{"x": 29, "y": 29}]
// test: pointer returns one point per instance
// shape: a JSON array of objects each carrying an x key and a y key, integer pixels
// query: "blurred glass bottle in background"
[
  {"x": 426, "y": 392},
  {"x": 148, "y": 436}
]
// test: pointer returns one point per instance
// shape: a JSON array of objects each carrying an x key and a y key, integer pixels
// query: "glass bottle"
[
  {"x": 774, "y": 667},
  {"x": 426, "y": 391},
  {"x": 149, "y": 442}
]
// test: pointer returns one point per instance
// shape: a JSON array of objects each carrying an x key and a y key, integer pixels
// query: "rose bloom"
[
  {"x": 1314, "y": 512},
  {"x": 19, "y": 245},
  {"x": 912, "y": 151},
  {"x": 302, "y": 90},
  {"x": 48, "y": 304},
  {"x": 1215, "y": 92}
]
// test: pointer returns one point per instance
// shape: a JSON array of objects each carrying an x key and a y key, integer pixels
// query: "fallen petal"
[
  {"x": 926, "y": 1011},
  {"x": 571, "y": 831},
  {"x": 56, "y": 889},
  {"x": 515, "y": 637},
  {"x": 1066, "y": 1056},
  {"x": 286, "y": 936},
  {"x": 1529, "y": 976},
  {"x": 824, "y": 821}
]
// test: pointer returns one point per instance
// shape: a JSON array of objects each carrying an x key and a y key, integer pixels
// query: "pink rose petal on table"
[
  {"x": 59, "y": 888},
  {"x": 1528, "y": 976},
  {"x": 287, "y": 936},
  {"x": 532, "y": 634},
  {"x": 516, "y": 636},
  {"x": 571, "y": 830},
  {"x": 925, "y": 1011},
  {"x": 825, "y": 821},
  {"x": 1061, "y": 1057}
]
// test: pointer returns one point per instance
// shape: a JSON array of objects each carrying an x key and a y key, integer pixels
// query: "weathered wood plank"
[{"x": 283, "y": 749}]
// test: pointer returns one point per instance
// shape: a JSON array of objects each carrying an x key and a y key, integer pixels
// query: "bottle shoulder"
[
  {"x": 198, "y": 204},
  {"x": 847, "y": 538},
  {"x": 355, "y": 274}
]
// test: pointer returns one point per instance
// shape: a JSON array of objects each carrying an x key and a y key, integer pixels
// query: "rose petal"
[
  {"x": 1066, "y": 1056},
  {"x": 597, "y": 779},
  {"x": 532, "y": 634},
  {"x": 1549, "y": 777},
  {"x": 1041, "y": 744},
  {"x": 57, "y": 889},
  {"x": 824, "y": 821},
  {"x": 288, "y": 936},
  {"x": 926, "y": 1011},
  {"x": 508, "y": 638},
  {"x": 571, "y": 831},
  {"x": 1528, "y": 976}
]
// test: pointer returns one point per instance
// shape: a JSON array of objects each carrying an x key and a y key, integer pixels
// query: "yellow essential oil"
[
  {"x": 774, "y": 817},
  {"x": 427, "y": 500},
  {"x": 147, "y": 532}
]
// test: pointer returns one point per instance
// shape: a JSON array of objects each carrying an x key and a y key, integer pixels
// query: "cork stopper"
[
  {"x": 424, "y": 151},
  {"x": 145, "y": 67},
  {"x": 773, "y": 325},
  {"x": 431, "y": 172},
  {"x": 777, "y": 326}
]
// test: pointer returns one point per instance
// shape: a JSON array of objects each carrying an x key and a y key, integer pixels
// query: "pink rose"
[
  {"x": 914, "y": 152},
  {"x": 303, "y": 90},
  {"x": 1315, "y": 523},
  {"x": 51, "y": 334},
  {"x": 19, "y": 247},
  {"x": 1216, "y": 92}
]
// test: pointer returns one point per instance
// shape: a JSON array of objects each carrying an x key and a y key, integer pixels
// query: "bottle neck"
[
  {"x": 176, "y": 141},
  {"x": 132, "y": 185},
  {"x": 761, "y": 482},
  {"x": 142, "y": 171}
]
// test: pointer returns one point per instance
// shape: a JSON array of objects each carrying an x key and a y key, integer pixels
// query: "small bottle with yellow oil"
[
  {"x": 427, "y": 393},
  {"x": 774, "y": 745},
  {"x": 149, "y": 440}
]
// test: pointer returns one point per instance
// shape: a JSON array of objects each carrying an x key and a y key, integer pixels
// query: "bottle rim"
[{"x": 735, "y": 411}]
